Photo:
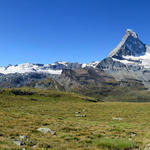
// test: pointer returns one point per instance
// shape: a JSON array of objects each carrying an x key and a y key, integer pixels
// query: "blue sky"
[{"x": 45, "y": 31}]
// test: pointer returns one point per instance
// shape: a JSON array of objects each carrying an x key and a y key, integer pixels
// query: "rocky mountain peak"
[
  {"x": 129, "y": 32},
  {"x": 130, "y": 45}
]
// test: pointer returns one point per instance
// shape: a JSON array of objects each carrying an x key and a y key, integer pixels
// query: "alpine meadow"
[{"x": 63, "y": 85}]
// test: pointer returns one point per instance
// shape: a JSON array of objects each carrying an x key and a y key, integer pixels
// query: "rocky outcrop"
[
  {"x": 36, "y": 80},
  {"x": 86, "y": 77},
  {"x": 54, "y": 68},
  {"x": 130, "y": 45},
  {"x": 129, "y": 60},
  {"x": 111, "y": 65}
]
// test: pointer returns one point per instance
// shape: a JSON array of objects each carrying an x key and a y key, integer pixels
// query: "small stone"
[
  {"x": 119, "y": 119},
  {"x": 22, "y": 137},
  {"x": 78, "y": 115},
  {"x": 35, "y": 146},
  {"x": 46, "y": 130},
  {"x": 147, "y": 147},
  {"x": 133, "y": 134},
  {"x": 18, "y": 142},
  {"x": 77, "y": 112},
  {"x": 24, "y": 140}
]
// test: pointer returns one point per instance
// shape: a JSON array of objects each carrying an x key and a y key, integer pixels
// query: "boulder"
[{"x": 46, "y": 130}]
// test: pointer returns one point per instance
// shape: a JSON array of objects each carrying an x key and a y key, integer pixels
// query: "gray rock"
[
  {"x": 24, "y": 140},
  {"x": 133, "y": 134},
  {"x": 129, "y": 45},
  {"x": 35, "y": 146},
  {"x": 147, "y": 147},
  {"x": 77, "y": 112},
  {"x": 122, "y": 67},
  {"x": 111, "y": 65},
  {"x": 79, "y": 115},
  {"x": 22, "y": 137},
  {"x": 119, "y": 119},
  {"x": 46, "y": 130},
  {"x": 18, "y": 142}
]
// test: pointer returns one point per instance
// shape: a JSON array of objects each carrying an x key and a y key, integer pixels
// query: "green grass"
[
  {"x": 24, "y": 110},
  {"x": 115, "y": 144},
  {"x": 120, "y": 94}
]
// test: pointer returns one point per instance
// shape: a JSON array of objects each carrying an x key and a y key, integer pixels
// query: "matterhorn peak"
[
  {"x": 129, "y": 32},
  {"x": 130, "y": 45}
]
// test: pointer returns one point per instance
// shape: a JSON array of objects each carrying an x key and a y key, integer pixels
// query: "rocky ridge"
[{"x": 130, "y": 60}]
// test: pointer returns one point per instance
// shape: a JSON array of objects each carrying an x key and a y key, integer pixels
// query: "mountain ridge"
[
  {"x": 128, "y": 62},
  {"x": 129, "y": 51}
]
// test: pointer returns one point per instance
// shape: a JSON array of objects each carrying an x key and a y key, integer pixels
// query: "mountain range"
[{"x": 127, "y": 66}]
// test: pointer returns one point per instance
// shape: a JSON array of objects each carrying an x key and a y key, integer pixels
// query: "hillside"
[{"x": 77, "y": 122}]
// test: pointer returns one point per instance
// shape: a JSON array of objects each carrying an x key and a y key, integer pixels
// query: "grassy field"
[{"x": 106, "y": 126}]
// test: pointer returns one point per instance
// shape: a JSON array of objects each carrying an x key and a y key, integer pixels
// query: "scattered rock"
[
  {"x": 45, "y": 146},
  {"x": 18, "y": 142},
  {"x": 119, "y": 119},
  {"x": 34, "y": 146},
  {"x": 24, "y": 140},
  {"x": 77, "y": 112},
  {"x": 78, "y": 115},
  {"x": 46, "y": 130},
  {"x": 23, "y": 137},
  {"x": 147, "y": 147},
  {"x": 132, "y": 134},
  {"x": 21, "y": 140}
]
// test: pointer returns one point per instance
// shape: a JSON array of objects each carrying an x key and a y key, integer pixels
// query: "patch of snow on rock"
[
  {"x": 27, "y": 67},
  {"x": 91, "y": 64}
]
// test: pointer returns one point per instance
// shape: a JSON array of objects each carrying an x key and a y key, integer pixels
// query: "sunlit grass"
[
  {"x": 115, "y": 144},
  {"x": 22, "y": 114}
]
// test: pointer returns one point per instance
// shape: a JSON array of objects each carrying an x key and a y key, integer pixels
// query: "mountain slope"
[
  {"x": 127, "y": 68},
  {"x": 55, "y": 68},
  {"x": 130, "y": 45},
  {"x": 132, "y": 51},
  {"x": 129, "y": 60}
]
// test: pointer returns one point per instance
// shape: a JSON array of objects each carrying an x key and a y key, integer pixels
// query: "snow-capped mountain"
[
  {"x": 129, "y": 45},
  {"x": 129, "y": 52},
  {"x": 55, "y": 68},
  {"x": 132, "y": 51},
  {"x": 28, "y": 67},
  {"x": 92, "y": 64},
  {"x": 130, "y": 60}
]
